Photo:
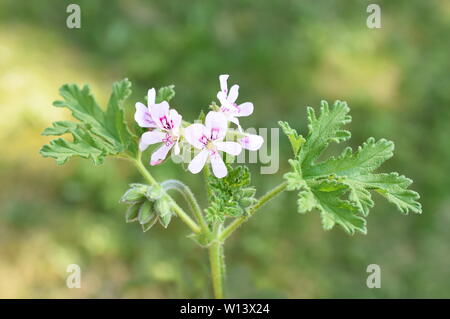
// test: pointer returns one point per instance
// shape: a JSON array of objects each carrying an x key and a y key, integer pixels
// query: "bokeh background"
[{"x": 286, "y": 55}]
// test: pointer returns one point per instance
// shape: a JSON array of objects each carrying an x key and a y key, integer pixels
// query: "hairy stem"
[
  {"x": 177, "y": 209},
  {"x": 263, "y": 200},
  {"x": 216, "y": 264},
  {"x": 184, "y": 190}
]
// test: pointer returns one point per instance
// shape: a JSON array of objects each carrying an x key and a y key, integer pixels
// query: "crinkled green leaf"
[
  {"x": 296, "y": 140},
  {"x": 294, "y": 178},
  {"x": 115, "y": 116},
  {"x": 166, "y": 93},
  {"x": 305, "y": 201},
  {"x": 366, "y": 159},
  {"x": 393, "y": 187},
  {"x": 98, "y": 133},
  {"x": 340, "y": 186},
  {"x": 84, "y": 144},
  {"x": 324, "y": 129},
  {"x": 335, "y": 210},
  {"x": 231, "y": 195}
]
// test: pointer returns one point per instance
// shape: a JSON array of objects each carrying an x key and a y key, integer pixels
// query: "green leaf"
[
  {"x": 295, "y": 177},
  {"x": 324, "y": 129},
  {"x": 369, "y": 157},
  {"x": 115, "y": 116},
  {"x": 335, "y": 210},
  {"x": 361, "y": 197},
  {"x": 340, "y": 187},
  {"x": 97, "y": 133},
  {"x": 231, "y": 195},
  {"x": 84, "y": 144},
  {"x": 393, "y": 187},
  {"x": 305, "y": 201},
  {"x": 296, "y": 140},
  {"x": 165, "y": 93}
]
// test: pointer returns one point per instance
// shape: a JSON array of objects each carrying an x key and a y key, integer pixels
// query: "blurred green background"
[{"x": 285, "y": 55}]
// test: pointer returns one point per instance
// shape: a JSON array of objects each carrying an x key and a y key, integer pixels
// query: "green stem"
[
  {"x": 184, "y": 190},
  {"x": 215, "y": 260},
  {"x": 144, "y": 171},
  {"x": 263, "y": 200},
  {"x": 177, "y": 209}
]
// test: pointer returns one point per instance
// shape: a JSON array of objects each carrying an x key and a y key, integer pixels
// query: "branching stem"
[{"x": 263, "y": 200}]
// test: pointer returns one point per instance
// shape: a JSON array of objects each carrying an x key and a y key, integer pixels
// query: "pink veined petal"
[
  {"x": 198, "y": 162},
  {"x": 142, "y": 116},
  {"x": 251, "y": 142},
  {"x": 232, "y": 148},
  {"x": 194, "y": 133},
  {"x": 151, "y": 97},
  {"x": 223, "y": 82},
  {"x": 216, "y": 125},
  {"x": 245, "y": 109},
  {"x": 233, "y": 95},
  {"x": 175, "y": 117},
  {"x": 218, "y": 166},
  {"x": 149, "y": 138},
  {"x": 160, "y": 154},
  {"x": 160, "y": 114}
]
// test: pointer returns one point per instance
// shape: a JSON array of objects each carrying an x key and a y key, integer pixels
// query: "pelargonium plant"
[{"x": 339, "y": 188}]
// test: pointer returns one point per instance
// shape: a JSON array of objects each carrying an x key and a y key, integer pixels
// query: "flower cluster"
[{"x": 165, "y": 127}]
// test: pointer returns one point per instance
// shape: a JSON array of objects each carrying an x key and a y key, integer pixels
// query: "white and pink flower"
[
  {"x": 142, "y": 115},
  {"x": 166, "y": 123},
  {"x": 251, "y": 142},
  {"x": 208, "y": 139},
  {"x": 227, "y": 99}
]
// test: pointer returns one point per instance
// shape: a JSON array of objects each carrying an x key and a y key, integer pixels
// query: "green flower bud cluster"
[{"x": 147, "y": 206}]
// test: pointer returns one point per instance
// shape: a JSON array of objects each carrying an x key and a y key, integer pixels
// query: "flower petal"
[
  {"x": 232, "y": 148},
  {"x": 160, "y": 154},
  {"x": 223, "y": 82},
  {"x": 198, "y": 162},
  {"x": 151, "y": 97},
  {"x": 234, "y": 120},
  {"x": 175, "y": 117},
  {"x": 142, "y": 116},
  {"x": 251, "y": 142},
  {"x": 245, "y": 109},
  {"x": 222, "y": 97},
  {"x": 149, "y": 138},
  {"x": 216, "y": 125},
  {"x": 218, "y": 166},
  {"x": 193, "y": 134},
  {"x": 160, "y": 114},
  {"x": 233, "y": 95}
]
